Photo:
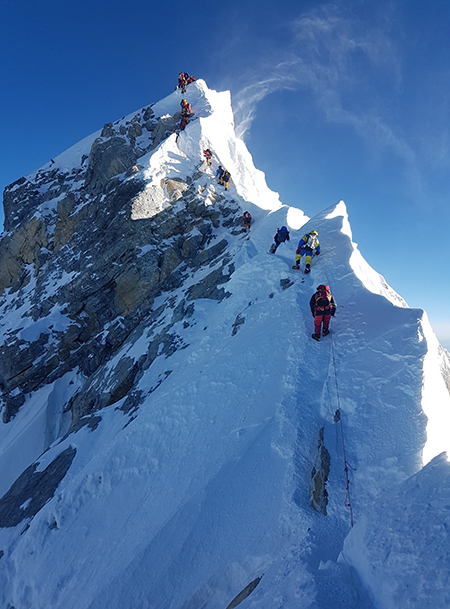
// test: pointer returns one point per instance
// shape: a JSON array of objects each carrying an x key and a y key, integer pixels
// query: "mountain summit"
[{"x": 171, "y": 436}]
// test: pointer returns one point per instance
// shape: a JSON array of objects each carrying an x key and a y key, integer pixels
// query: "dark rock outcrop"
[
  {"x": 32, "y": 489},
  {"x": 245, "y": 593},
  {"x": 319, "y": 476},
  {"x": 96, "y": 245}
]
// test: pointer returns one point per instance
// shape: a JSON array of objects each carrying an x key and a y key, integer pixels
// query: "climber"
[
  {"x": 186, "y": 110},
  {"x": 306, "y": 246},
  {"x": 322, "y": 306},
  {"x": 208, "y": 156},
  {"x": 219, "y": 174},
  {"x": 226, "y": 178},
  {"x": 189, "y": 79},
  {"x": 247, "y": 217},
  {"x": 281, "y": 236},
  {"x": 182, "y": 81}
]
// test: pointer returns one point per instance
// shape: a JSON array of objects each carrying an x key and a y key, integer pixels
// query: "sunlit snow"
[{"x": 206, "y": 489}]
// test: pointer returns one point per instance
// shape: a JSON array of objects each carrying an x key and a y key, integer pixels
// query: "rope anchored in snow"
[{"x": 338, "y": 419}]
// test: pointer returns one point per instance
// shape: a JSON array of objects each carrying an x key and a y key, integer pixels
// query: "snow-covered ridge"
[
  {"x": 175, "y": 408},
  {"x": 180, "y": 155}
]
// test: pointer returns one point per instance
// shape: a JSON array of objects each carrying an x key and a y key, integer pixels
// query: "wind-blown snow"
[{"x": 207, "y": 488}]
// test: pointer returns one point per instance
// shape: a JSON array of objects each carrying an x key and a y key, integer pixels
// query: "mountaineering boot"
[
  {"x": 307, "y": 269},
  {"x": 325, "y": 331},
  {"x": 296, "y": 267},
  {"x": 316, "y": 337}
]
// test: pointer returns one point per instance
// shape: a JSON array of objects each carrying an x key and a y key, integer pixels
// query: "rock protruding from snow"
[
  {"x": 126, "y": 215},
  {"x": 33, "y": 489},
  {"x": 319, "y": 476}
]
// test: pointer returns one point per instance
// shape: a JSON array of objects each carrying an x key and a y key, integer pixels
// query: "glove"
[{"x": 317, "y": 253}]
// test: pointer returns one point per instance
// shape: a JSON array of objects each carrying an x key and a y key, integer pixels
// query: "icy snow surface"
[{"x": 207, "y": 488}]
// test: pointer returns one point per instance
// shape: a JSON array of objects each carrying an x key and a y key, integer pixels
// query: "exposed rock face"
[
  {"x": 319, "y": 476},
  {"x": 108, "y": 158},
  {"x": 31, "y": 491},
  {"x": 78, "y": 260},
  {"x": 244, "y": 593},
  {"x": 19, "y": 249}
]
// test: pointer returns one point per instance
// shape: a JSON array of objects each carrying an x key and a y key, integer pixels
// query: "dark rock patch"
[
  {"x": 243, "y": 594},
  {"x": 319, "y": 477},
  {"x": 33, "y": 489},
  {"x": 286, "y": 283},
  {"x": 237, "y": 323}
]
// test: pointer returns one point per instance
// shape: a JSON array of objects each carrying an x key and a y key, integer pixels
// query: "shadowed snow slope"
[{"x": 200, "y": 411}]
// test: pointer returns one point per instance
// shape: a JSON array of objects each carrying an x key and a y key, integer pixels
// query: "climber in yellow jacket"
[{"x": 307, "y": 245}]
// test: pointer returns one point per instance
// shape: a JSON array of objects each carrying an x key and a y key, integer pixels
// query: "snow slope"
[
  {"x": 400, "y": 545},
  {"x": 206, "y": 488}
]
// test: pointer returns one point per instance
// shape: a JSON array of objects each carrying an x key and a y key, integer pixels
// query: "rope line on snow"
[
  {"x": 348, "y": 502},
  {"x": 338, "y": 418}
]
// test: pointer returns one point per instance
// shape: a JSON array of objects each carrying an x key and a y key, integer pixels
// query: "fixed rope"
[
  {"x": 348, "y": 502},
  {"x": 338, "y": 419}
]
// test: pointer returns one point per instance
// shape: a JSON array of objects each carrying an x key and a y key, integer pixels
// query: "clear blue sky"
[{"x": 335, "y": 100}]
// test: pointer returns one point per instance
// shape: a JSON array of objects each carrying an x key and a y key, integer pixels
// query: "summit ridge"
[{"x": 168, "y": 425}]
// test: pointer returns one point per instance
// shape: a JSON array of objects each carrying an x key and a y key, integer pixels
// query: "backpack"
[
  {"x": 282, "y": 234},
  {"x": 323, "y": 296},
  {"x": 311, "y": 243}
]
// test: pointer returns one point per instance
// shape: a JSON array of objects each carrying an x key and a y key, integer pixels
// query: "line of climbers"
[
  {"x": 223, "y": 175},
  {"x": 186, "y": 114},
  {"x": 322, "y": 303},
  {"x": 307, "y": 246}
]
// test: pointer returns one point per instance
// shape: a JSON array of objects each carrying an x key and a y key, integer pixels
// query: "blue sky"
[{"x": 335, "y": 100}]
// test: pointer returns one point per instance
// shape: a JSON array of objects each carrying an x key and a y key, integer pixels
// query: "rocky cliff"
[{"x": 91, "y": 241}]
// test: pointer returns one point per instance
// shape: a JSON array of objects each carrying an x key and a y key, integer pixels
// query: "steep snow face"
[
  {"x": 372, "y": 280},
  {"x": 198, "y": 490},
  {"x": 435, "y": 391},
  {"x": 181, "y": 154}
]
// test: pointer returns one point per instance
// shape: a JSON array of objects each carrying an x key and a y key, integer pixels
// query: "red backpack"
[{"x": 323, "y": 297}]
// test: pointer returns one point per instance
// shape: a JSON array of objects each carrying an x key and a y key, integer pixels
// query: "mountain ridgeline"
[
  {"x": 73, "y": 252},
  {"x": 170, "y": 435}
]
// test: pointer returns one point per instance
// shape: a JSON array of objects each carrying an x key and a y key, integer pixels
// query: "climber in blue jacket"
[{"x": 281, "y": 236}]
